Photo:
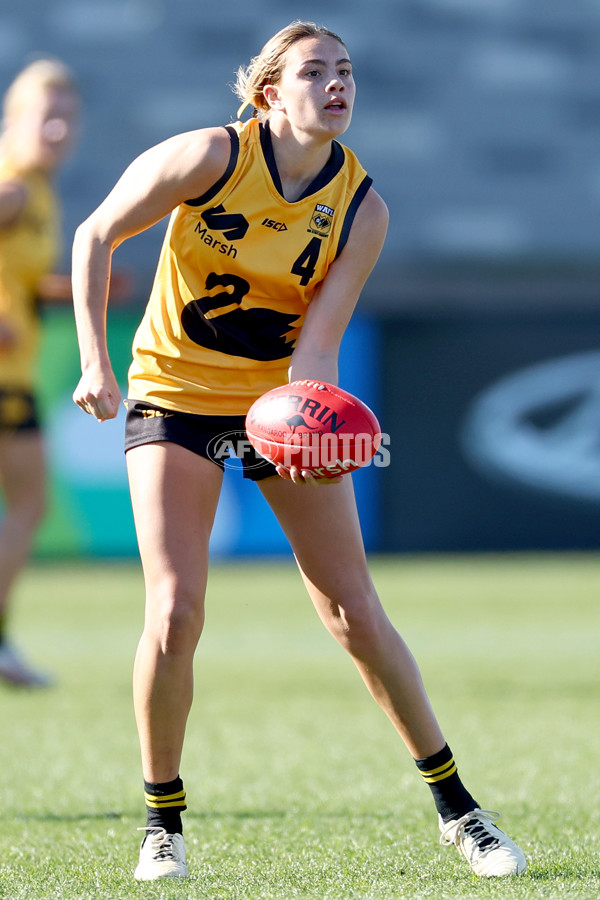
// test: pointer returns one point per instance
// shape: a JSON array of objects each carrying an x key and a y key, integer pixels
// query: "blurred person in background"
[
  {"x": 40, "y": 123},
  {"x": 41, "y": 114}
]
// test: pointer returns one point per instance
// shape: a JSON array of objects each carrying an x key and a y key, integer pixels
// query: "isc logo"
[{"x": 276, "y": 226}]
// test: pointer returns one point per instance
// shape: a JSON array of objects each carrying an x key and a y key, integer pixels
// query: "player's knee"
[
  {"x": 358, "y": 628},
  {"x": 25, "y": 514},
  {"x": 177, "y": 623}
]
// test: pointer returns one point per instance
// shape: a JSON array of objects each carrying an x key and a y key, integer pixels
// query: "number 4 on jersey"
[{"x": 306, "y": 263}]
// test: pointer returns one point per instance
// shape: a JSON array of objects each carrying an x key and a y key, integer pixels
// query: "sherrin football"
[{"x": 315, "y": 426}]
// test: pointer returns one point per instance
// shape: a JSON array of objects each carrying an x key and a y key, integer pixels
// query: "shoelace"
[
  {"x": 473, "y": 824},
  {"x": 162, "y": 843}
]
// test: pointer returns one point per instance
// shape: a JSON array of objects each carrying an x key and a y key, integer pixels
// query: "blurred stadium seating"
[{"x": 480, "y": 122}]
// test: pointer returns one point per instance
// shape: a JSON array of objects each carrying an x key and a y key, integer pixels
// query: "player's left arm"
[{"x": 315, "y": 356}]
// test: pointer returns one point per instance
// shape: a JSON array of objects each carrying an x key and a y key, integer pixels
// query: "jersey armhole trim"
[
  {"x": 358, "y": 198},
  {"x": 233, "y": 158}
]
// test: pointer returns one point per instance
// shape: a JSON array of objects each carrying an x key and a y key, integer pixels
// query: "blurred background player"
[
  {"x": 40, "y": 123},
  {"x": 41, "y": 114}
]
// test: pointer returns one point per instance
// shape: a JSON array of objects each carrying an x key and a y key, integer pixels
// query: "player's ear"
[{"x": 273, "y": 96}]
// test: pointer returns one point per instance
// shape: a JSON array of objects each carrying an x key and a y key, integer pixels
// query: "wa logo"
[{"x": 321, "y": 220}]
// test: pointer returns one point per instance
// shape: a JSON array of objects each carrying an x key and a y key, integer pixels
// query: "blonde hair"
[
  {"x": 267, "y": 66},
  {"x": 42, "y": 74}
]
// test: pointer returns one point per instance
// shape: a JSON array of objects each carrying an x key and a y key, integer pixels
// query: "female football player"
[
  {"x": 40, "y": 122},
  {"x": 274, "y": 230}
]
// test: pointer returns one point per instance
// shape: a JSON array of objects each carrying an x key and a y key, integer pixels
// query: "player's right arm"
[
  {"x": 13, "y": 196},
  {"x": 151, "y": 187}
]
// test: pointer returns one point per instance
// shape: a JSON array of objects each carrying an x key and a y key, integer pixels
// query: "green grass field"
[{"x": 297, "y": 785}]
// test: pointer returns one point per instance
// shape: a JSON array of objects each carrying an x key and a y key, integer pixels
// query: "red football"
[{"x": 315, "y": 426}]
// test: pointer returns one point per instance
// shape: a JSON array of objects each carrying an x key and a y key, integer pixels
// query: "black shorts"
[
  {"x": 18, "y": 410},
  {"x": 222, "y": 439}
]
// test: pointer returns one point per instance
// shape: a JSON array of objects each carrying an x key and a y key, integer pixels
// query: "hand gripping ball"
[{"x": 315, "y": 426}]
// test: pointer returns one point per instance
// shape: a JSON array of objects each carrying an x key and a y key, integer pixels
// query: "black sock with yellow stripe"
[
  {"x": 164, "y": 805},
  {"x": 450, "y": 796}
]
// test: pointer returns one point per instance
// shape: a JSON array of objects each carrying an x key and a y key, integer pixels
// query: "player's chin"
[{"x": 337, "y": 125}]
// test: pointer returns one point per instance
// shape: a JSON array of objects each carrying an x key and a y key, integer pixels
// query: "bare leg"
[
  {"x": 322, "y": 526},
  {"x": 23, "y": 477},
  {"x": 174, "y": 494}
]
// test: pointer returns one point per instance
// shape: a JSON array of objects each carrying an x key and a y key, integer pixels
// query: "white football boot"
[
  {"x": 162, "y": 855},
  {"x": 15, "y": 670},
  {"x": 489, "y": 852}
]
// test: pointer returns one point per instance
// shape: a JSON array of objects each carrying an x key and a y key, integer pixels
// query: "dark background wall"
[{"x": 495, "y": 429}]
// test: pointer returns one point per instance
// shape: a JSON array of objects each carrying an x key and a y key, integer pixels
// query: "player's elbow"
[{"x": 90, "y": 238}]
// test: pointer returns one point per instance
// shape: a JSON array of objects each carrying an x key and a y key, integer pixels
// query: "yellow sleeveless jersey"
[
  {"x": 28, "y": 250},
  {"x": 237, "y": 269}
]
